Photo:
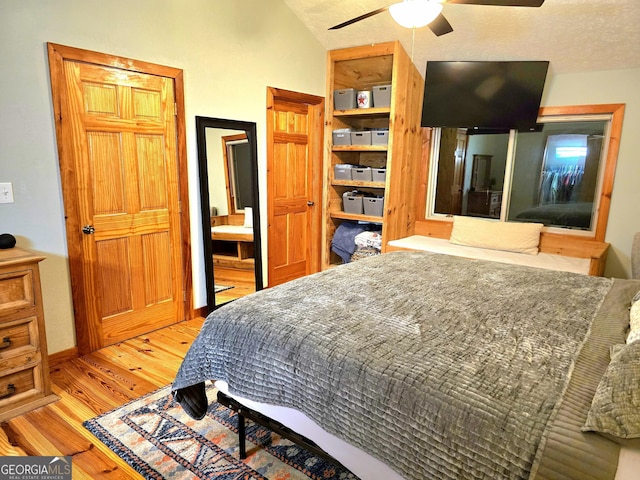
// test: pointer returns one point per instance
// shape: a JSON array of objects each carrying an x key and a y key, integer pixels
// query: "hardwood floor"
[
  {"x": 239, "y": 290},
  {"x": 91, "y": 385}
]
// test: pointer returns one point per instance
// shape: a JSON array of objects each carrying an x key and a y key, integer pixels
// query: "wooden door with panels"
[
  {"x": 295, "y": 124},
  {"x": 120, "y": 149},
  {"x": 451, "y": 163}
]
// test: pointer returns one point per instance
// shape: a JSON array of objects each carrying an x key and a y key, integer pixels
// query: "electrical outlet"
[{"x": 6, "y": 193}]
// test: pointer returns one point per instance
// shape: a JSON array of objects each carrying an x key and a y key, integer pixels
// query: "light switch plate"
[{"x": 6, "y": 193}]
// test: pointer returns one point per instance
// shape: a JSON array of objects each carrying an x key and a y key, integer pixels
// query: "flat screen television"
[{"x": 483, "y": 95}]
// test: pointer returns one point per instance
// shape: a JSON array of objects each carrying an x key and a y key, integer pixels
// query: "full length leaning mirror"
[{"x": 227, "y": 160}]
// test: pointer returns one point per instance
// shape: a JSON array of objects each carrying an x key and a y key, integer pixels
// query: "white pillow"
[
  {"x": 248, "y": 217},
  {"x": 509, "y": 236},
  {"x": 634, "y": 323}
]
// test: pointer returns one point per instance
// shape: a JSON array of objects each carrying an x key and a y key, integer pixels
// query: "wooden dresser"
[
  {"x": 485, "y": 203},
  {"x": 24, "y": 369}
]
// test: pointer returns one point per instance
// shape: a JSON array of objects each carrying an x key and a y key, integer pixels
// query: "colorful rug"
[{"x": 159, "y": 440}]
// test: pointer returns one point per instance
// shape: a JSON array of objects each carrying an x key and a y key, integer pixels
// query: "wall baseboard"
[{"x": 60, "y": 357}]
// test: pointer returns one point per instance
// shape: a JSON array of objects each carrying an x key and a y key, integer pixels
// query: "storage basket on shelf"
[
  {"x": 352, "y": 202},
  {"x": 362, "y": 174},
  {"x": 373, "y": 206}
]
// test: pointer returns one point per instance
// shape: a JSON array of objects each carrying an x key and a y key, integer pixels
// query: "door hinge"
[{"x": 175, "y": 109}]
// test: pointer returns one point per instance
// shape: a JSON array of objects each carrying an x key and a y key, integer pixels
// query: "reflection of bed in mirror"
[{"x": 568, "y": 214}]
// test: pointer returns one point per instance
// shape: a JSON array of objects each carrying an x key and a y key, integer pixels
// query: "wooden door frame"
[
  {"x": 57, "y": 55},
  {"x": 316, "y": 145}
]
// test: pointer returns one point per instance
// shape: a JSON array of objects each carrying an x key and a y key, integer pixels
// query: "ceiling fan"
[{"x": 418, "y": 13}]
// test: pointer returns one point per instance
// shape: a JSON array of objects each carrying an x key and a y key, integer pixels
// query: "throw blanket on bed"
[{"x": 442, "y": 367}]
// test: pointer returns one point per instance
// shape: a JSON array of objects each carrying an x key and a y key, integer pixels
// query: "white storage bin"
[
  {"x": 344, "y": 99},
  {"x": 361, "y": 138},
  {"x": 342, "y": 171},
  {"x": 382, "y": 96},
  {"x": 342, "y": 137},
  {"x": 352, "y": 203},
  {"x": 380, "y": 137},
  {"x": 361, "y": 174},
  {"x": 373, "y": 206},
  {"x": 378, "y": 174}
]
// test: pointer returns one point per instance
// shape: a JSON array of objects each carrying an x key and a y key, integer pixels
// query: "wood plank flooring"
[{"x": 91, "y": 385}]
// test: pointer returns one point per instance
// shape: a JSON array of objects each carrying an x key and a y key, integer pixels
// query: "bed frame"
[{"x": 246, "y": 413}]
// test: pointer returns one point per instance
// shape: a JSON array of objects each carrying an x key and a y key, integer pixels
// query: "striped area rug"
[{"x": 156, "y": 437}]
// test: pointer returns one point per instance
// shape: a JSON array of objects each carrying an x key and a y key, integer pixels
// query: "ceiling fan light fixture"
[{"x": 415, "y": 13}]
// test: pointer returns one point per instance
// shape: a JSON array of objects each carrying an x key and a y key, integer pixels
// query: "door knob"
[
  {"x": 88, "y": 229},
  {"x": 310, "y": 203}
]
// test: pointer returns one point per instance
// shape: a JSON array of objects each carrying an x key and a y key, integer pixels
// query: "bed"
[
  {"x": 569, "y": 214},
  {"x": 429, "y": 365}
]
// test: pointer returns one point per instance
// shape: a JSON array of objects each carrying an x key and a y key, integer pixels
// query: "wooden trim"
[
  {"x": 201, "y": 312},
  {"x": 616, "y": 110},
  {"x": 123, "y": 63},
  {"x": 374, "y": 50},
  {"x": 423, "y": 174},
  {"x": 183, "y": 186},
  {"x": 57, "y": 55},
  {"x": 57, "y": 358}
]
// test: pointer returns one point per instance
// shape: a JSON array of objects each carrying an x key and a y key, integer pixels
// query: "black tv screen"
[{"x": 483, "y": 95}]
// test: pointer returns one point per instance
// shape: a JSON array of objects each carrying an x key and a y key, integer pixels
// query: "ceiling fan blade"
[
  {"x": 500, "y": 3},
  {"x": 440, "y": 26},
  {"x": 361, "y": 17}
]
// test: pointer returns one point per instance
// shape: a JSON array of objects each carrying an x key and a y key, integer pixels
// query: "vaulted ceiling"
[{"x": 574, "y": 35}]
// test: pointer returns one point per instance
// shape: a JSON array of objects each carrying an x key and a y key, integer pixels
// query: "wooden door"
[
  {"x": 294, "y": 184},
  {"x": 118, "y": 149},
  {"x": 453, "y": 146},
  {"x": 458, "y": 172}
]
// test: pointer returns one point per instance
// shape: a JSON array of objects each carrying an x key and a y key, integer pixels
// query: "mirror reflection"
[
  {"x": 471, "y": 168},
  {"x": 228, "y": 178},
  {"x": 557, "y": 172},
  {"x": 554, "y": 180}
]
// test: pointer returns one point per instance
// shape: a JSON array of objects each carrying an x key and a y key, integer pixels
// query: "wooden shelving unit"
[{"x": 362, "y": 68}]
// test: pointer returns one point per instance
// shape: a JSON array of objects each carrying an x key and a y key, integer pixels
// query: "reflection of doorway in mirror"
[
  {"x": 237, "y": 162},
  {"x": 451, "y": 167},
  {"x": 481, "y": 176}
]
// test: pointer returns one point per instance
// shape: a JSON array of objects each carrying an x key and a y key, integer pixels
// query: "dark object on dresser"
[{"x": 7, "y": 240}]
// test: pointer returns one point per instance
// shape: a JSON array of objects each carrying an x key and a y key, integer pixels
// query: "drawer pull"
[
  {"x": 11, "y": 389},
  {"x": 6, "y": 343}
]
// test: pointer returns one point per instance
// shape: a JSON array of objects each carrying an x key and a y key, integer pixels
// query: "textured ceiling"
[{"x": 574, "y": 35}]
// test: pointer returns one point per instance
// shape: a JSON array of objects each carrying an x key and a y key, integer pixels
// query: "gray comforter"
[{"x": 441, "y": 367}]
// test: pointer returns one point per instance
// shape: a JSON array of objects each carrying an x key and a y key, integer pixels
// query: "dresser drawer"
[
  {"x": 18, "y": 337},
  {"x": 16, "y": 291},
  {"x": 19, "y": 385}
]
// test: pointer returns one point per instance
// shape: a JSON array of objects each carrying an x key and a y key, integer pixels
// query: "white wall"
[
  {"x": 614, "y": 86},
  {"x": 230, "y": 51}
]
